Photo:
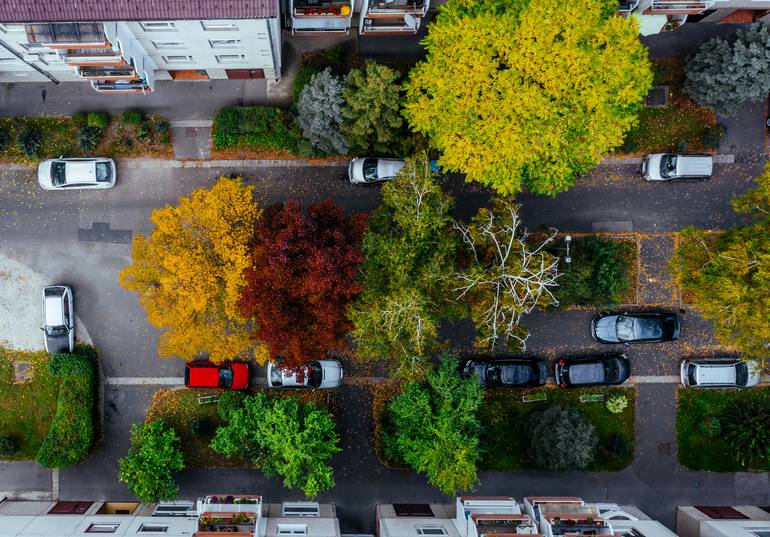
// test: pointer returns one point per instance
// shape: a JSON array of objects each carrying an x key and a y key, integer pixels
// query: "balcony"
[
  {"x": 308, "y": 8},
  {"x": 388, "y": 8},
  {"x": 66, "y": 34},
  {"x": 664, "y": 7},
  {"x": 312, "y": 16},
  {"x": 92, "y": 56},
  {"x": 107, "y": 73},
  {"x": 568, "y": 524},
  {"x": 121, "y": 87},
  {"x": 387, "y": 26}
]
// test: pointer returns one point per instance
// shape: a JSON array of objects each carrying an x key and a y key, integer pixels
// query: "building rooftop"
[{"x": 23, "y": 11}]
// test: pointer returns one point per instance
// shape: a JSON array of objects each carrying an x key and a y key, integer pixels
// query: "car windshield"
[
  {"x": 611, "y": 372},
  {"x": 103, "y": 172},
  {"x": 667, "y": 166},
  {"x": 741, "y": 374},
  {"x": 56, "y": 330},
  {"x": 276, "y": 379},
  {"x": 314, "y": 375},
  {"x": 226, "y": 376},
  {"x": 370, "y": 169},
  {"x": 625, "y": 328},
  {"x": 691, "y": 377},
  {"x": 58, "y": 173}
]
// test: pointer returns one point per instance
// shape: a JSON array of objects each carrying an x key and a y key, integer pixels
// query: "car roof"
[
  {"x": 694, "y": 165},
  {"x": 587, "y": 372},
  {"x": 715, "y": 373},
  {"x": 80, "y": 171},
  {"x": 389, "y": 167},
  {"x": 203, "y": 374},
  {"x": 54, "y": 310}
]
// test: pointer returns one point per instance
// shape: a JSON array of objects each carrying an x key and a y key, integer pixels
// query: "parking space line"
[
  {"x": 654, "y": 379},
  {"x": 144, "y": 381}
]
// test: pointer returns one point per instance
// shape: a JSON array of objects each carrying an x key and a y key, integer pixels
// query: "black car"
[
  {"x": 634, "y": 327},
  {"x": 592, "y": 371},
  {"x": 509, "y": 372}
]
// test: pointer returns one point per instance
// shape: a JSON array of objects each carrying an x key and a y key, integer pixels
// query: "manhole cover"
[
  {"x": 664, "y": 448},
  {"x": 657, "y": 97},
  {"x": 22, "y": 372},
  {"x": 191, "y": 132}
]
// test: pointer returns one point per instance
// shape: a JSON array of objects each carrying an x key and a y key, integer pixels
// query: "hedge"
[{"x": 260, "y": 128}]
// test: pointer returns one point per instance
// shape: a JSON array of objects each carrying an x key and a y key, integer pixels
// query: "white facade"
[{"x": 723, "y": 521}]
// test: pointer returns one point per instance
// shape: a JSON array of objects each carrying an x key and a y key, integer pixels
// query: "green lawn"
[
  {"x": 503, "y": 418},
  {"x": 26, "y": 409},
  {"x": 697, "y": 451}
]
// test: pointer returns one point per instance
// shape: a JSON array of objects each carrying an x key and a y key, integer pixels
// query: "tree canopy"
[
  {"x": 189, "y": 272},
  {"x": 561, "y": 438},
  {"x": 528, "y": 93},
  {"x": 283, "y": 437},
  {"x": 301, "y": 277},
  {"x": 319, "y": 112}
]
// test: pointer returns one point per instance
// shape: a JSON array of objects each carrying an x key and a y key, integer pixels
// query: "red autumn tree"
[{"x": 302, "y": 276}]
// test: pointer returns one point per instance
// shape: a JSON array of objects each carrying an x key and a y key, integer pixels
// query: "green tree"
[
  {"x": 283, "y": 437},
  {"x": 435, "y": 427},
  {"x": 408, "y": 272},
  {"x": 547, "y": 88},
  {"x": 726, "y": 72},
  {"x": 155, "y": 455},
  {"x": 727, "y": 275},
  {"x": 561, "y": 438},
  {"x": 746, "y": 426},
  {"x": 372, "y": 113}
]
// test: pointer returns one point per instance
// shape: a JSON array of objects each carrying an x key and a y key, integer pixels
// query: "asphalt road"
[{"x": 83, "y": 238}]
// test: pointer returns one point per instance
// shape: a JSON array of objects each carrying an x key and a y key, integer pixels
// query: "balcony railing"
[
  {"x": 396, "y": 6},
  {"x": 107, "y": 73},
  {"x": 121, "y": 87},
  {"x": 76, "y": 56},
  {"x": 66, "y": 33},
  {"x": 679, "y": 6}
]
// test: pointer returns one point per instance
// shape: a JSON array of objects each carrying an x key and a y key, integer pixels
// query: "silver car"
[
  {"x": 58, "y": 319},
  {"x": 316, "y": 374},
  {"x": 369, "y": 170},
  {"x": 672, "y": 167},
  {"x": 76, "y": 173},
  {"x": 716, "y": 373}
]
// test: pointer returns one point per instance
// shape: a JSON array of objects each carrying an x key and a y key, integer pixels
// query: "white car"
[
  {"x": 673, "y": 167},
  {"x": 714, "y": 373},
  {"x": 76, "y": 173},
  {"x": 316, "y": 374},
  {"x": 368, "y": 170},
  {"x": 58, "y": 319}
]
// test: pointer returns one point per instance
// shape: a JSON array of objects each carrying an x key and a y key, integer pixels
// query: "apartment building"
[
  {"x": 723, "y": 521},
  {"x": 235, "y": 515},
  {"x": 502, "y": 516},
  {"x": 125, "y": 47}
]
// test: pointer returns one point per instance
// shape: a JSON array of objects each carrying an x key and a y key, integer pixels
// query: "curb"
[
  {"x": 196, "y": 123},
  {"x": 611, "y": 161},
  {"x": 140, "y": 164}
]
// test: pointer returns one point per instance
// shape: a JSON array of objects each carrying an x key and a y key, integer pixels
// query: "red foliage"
[{"x": 303, "y": 275}]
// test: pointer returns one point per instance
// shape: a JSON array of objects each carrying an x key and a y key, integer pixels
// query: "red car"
[{"x": 224, "y": 376}]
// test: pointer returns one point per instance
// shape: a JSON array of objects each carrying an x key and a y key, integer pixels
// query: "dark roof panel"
[{"x": 127, "y": 10}]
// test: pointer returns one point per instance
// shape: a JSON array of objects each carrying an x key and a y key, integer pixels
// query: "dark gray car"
[
  {"x": 494, "y": 373},
  {"x": 634, "y": 327},
  {"x": 592, "y": 371}
]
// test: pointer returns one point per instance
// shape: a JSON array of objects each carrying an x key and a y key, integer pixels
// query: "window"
[
  {"x": 69, "y": 508},
  {"x": 630, "y": 532},
  {"x": 225, "y": 43},
  {"x": 102, "y": 528},
  {"x": 292, "y": 529},
  {"x": 721, "y": 512},
  {"x": 300, "y": 509},
  {"x": 157, "y": 26},
  {"x": 431, "y": 530},
  {"x": 165, "y": 43},
  {"x": 413, "y": 509},
  {"x": 231, "y": 58},
  {"x": 760, "y": 532},
  {"x": 11, "y": 28},
  {"x": 152, "y": 528},
  {"x": 178, "y": 59},
  {"x": 218, "y": 26}
]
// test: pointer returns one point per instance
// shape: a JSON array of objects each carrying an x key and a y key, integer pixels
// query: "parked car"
[
  {"x": 592, "y": 371},
  {"x": 58, "y": 319},
  {"x": 494, "y": 373},
  {"x": 672, "y": 167},
  {"x": 76, "y": 173},
  {"x": 224, "y": 376},
  {"x": 316, "y": 374},
  {"x": 369, "y": 170},
  {"x": 634, "y": 327},
  {"x": 719, "y": 373}
]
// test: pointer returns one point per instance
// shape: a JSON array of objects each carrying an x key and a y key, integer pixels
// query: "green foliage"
[
  {"x": 5, "y": 139},
  {"x": 301, "y": 80},
  {"x": 561, "y": 438},
  {"x": 143, "y": 132},
  {"x": 746, "y": 427},
  {"x": 131, "y": 118},
  {"x": 617, "y": 404},
  {"x": 712, "y": 137},
  {"x": 372, "y": 112},
  {"x": 548, "y": 87},
  {"x": 598, "y": 273},
  {"x": 408, "y": 274},
  {"x": 255, "y": 127},
  {"x": 72, "y": 431},
  {"x": 335, "y": 58},
  {"x": 162, "y": 127},
  {"x": 710, "y": 427},
  {"x": 8, "y": 446},
  {"x": 435, "y": 427},
  {"x": 727, "y": 72},
  {"x": 30, "y": 140},
  {"x": 80, "y": 119},
  {"x": 148, "y": 468},
  {"x": 201, "y": 428},
  {"x": 283, "y": 437},
  {"x": 228, "y": 402},
  {"x": 319, "y": 113},
  {"x": 615, "y": 446},
  {"x": 89, "y": 137},
  {"x": 98, "y": 119}
]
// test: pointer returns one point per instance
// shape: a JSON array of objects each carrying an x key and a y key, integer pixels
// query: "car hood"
[
  {"x": 332, "y": 373},
  {"x": 605, "y": 328},
  {"x": 355, "y": 170},
  {"x": 44, "y": 174},
  {"x": 652, "y": 164}
]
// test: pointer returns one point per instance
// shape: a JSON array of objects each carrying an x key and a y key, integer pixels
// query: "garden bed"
[
  {"x": 26, "y": 407},
  {"x": 179, "y": 408},
  {"x": 697, "y": 451},
  {"x": 710, "y": 239}
]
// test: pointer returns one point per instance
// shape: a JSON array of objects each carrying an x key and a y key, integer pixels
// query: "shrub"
[
  {"x": 72, "y": 431},
  {"x": 258, "y": 127},
  {"x": 8, "y": 446},
  {"x": 561, "y": 438},
  {"x": 682, "y": 146},
  {"x": 301, "y": 80},
  {"x": 127, "y": 142},
  {"x": 710, "y": 427},
  {"x": 617, "y": 404},
  {"x": 149, "y": 467},
  {"x": 89, "y": 137},
  {"x": 131, "y": 118},
  {"x": 98, "y": 119},
  {"x": 143, "y": 132},
  {"x": 80, "y": 119},
  {"x": 712, "y": 136},
  {"x": 746, "y": 426},
  {"x": 201, "y": 428},
  {"x": 162, "y": 127},
  {"x": 30, "y": 141},
  {"x": 228, "y": 402},
  {"x": 616, "y": 446},
  {"x": 5, "y": 139},
  {"x": 319, "y": 113}
]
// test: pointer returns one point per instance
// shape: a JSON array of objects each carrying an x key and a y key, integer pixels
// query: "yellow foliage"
[{"x": 189, "y": 272}]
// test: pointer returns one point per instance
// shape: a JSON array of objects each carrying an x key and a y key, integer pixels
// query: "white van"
[{"x": 672, "y": 166}]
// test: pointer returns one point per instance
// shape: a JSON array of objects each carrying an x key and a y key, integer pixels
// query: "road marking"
[
  {"x": 654, "y": 379},
  {"x": 144, "y": 381}
]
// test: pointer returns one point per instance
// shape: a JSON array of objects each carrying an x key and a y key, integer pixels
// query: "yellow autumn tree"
[
  {"x": 189, "y": 272},
  {"x": 528, "y": 93}
]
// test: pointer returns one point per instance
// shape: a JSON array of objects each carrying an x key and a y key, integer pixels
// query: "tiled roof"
[{"x": 128, "y": 10}]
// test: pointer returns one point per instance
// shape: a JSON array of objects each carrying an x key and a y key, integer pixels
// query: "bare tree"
[{"x": 509, "y": 275}]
